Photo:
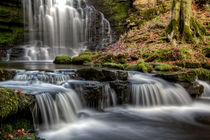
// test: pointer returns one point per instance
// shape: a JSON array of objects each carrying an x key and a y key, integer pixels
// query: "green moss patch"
[
  {"x": 163, "y": 67},
  {"x": 203, "y": 74},
  {"x": 62, "y": 60}
]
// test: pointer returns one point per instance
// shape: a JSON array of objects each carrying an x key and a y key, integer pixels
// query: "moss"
[
  {"x": 189, "y": 64},
  {"x": 163, "y": 67},
  {"x": 87, "y": 52},
  {"x": 113, "y": 65},
  {"x": 62, "y": 60},
  {"x": 187, "y": 34},
  {"x": 176, "y": 68},
  {"x": 79, "y": 60},
  {"x": 198, "y": 27},
  {"x": 8, "y": 102},
  {"x": 173, "y": 25},
  {"x": 109, "y": 58},
  {"x": 144, "y": 67},
  {"x": 141, "y": 61},
  {"x": 206, "y": 51},
  {"x": 203, "y": 74},
  {"x": 132, "y": 67},
  {"x": 186, "y": 77},
  {"x": 121, "y": 58}
]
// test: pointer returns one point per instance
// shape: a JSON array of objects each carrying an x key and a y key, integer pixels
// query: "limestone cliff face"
[{"x": 11, "y": 25}]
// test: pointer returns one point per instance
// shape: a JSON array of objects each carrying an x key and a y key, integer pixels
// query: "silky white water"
[{"x": 62, "y": 27}]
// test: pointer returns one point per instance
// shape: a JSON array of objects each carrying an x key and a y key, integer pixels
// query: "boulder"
[{"x": 95, "y": 74}]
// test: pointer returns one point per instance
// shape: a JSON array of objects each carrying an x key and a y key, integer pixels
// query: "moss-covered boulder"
[
  {"x": 132, "y": 67},
  {"x": 178, "y": 76},
  {"x": 189, "y": 64},
  {"x": 82, "y": 59},
  {"x": 203, "y": 74},
  {"x": 62, "y": 60}
]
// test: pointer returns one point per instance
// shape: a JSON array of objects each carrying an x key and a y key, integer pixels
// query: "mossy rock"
[
  {"x": 132, "y": 67},
  {"x": 79, "y": 60},
  {"x": 62, "y": 60},
  {"x": 144, "y": 67},
  {"x": 113, "y": 65},
  {"x": 206, "y": 52},
  {"x": 8, "y": 102},
  {"x": 178, "y": 76},
  {"x": 163, "y": 67},
  {"x": 203, "y": 74}
]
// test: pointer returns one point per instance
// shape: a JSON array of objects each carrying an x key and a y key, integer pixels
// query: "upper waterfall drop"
[{"x": 62, "y": 27}]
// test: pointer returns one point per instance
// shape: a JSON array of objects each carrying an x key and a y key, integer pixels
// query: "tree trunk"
[{"x": 183, "y": 25}]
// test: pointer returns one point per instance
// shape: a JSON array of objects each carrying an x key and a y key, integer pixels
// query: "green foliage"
[
  {"x": 206, "y": 65},
  {"x": 62, "y": 60},
  {"x": 144, "y": 67},
  {"x": 8, "y": 102},
  {"x": 186, "y": 77},
  {"x": 96, "y": 55},
  {"x": 203, "y": 74},
  {"x": 163, "y": 67},
  {"x": 113, "y": 65}
]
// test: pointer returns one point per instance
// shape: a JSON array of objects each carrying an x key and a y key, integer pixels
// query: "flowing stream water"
[{"x": 158, "y": 110}]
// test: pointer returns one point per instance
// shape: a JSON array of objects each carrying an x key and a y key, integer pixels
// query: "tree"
[{"x": 183, "y": 25}]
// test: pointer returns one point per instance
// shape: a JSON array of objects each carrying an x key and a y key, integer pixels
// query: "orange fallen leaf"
[
  {"x": 3, "y": 79},
  {"x": 10, "y": 136},
  {"x": 19, "y": 91}
]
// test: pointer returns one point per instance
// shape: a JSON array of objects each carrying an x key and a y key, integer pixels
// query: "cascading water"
[
  {"x": 62, "y": 27},
  {"x": 150, "y": 91},
  {"x": 206, "y": 85}
]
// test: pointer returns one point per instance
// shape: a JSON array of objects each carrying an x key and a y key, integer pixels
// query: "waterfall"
[
  {"x": 55, "y": 110},
  {"x": 206, "y": 92},
  {"x": 62, "y": 27},
  {"x": 150, "y": 91}
]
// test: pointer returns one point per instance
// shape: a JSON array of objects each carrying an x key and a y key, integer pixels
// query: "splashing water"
[{"x": 150, "y": 91}]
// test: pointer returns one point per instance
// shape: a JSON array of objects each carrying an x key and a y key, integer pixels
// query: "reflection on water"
[{"x": 42, "y": 65}]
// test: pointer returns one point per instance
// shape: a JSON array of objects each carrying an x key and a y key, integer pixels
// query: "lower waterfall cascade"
[{"x": 156, "y": 106}]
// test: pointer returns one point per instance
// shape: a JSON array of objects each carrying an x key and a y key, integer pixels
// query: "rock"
[
  {"x": 178, "y": 76},
  {"x": 91, "y": 93},
  {"x": 122, "y": 91},
  {"x": 95, "y": 74},
  {"x": 194, "y": 88}
]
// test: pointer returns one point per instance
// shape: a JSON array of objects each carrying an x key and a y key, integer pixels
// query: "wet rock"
[
  {"x": 90, "y": 92},
  {"x": 95, "y": 74},
  {"x": 193, "y": 88},
  {"x": 122, "y": 91}
]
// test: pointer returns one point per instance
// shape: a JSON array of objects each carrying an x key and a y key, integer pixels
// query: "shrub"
[
  {"x": 62, "y": 60},
  {"x": 163, "y": 67}
]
